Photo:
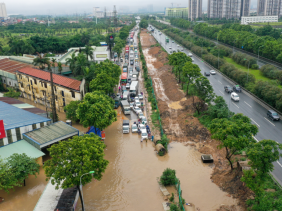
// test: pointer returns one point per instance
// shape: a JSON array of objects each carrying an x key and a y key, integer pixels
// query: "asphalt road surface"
[{"x": 268, "y": 129}]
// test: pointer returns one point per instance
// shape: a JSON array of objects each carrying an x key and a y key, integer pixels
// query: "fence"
[{"x": 179, "y": 191}]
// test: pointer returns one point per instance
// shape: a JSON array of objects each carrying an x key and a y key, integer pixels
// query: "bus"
[
  {"x": 123, "y": 80},
  {"x": 167, "y": 39}
]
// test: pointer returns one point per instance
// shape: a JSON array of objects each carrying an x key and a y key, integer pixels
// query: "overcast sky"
[{"x": 32, "y": 7}]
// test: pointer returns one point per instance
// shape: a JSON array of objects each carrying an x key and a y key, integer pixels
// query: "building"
[
  {"x": 97, "y": 12},
  {"x": 8, "y": 68},
  {"x": 3, "y": 12},
  {"x": 35, "y": 85},
  {"x": 268, "y": 7},
  {"x": 150, "y": 8},
  {"x": 18, "y": 121},
  {"x": 176, "y": 12},
  {"x": 228, "y": 9},
  {"x": 195, "y": 9},
  {"x": 258, "y": 19}
]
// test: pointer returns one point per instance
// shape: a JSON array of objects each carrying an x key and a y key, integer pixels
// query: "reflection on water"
[{"x": 130, "y": 181}]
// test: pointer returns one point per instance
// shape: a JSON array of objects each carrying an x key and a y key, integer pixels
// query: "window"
[
  {"x": 1, "y": 142},
  {"x": 35, "y": 81},
  {"x": 9, "y": 136},
  {"x": 41, "y": 124},
  {"x": 33, "y": 126},
  {"x": 45, "y": 84},
  {"x": 55, "y": 89},
  {"x": 31, "y": 82},
  {"x": 18, "y": 133},
  {"x": 72, "y": 94},
  {"x": 10, "y": 83}
]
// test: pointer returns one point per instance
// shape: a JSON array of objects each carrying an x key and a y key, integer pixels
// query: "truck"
[
  {"x": 125, "y": 67},
  {"x": 167, "y": 39},
  {"x": 125, "y": 126},
  {"x": 133, "y": 88},
  {"x": 135, "y": 74},
  {"x": 125, "y": 107},
  {"x": 117, "y": 102}
]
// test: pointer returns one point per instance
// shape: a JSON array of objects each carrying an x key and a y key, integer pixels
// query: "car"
[
  {"x": 177, "y": 45},
  {"x": 144, "y": 134},
  {"x": 130, "y": 75},
  {"x": 140, "y": 115},
  {"x": 127, "y": 86},
  {"x": 141, "y": 127},
  {"x": 172, "y": 41},
  {"x": 137, "y": 69},
  {"x": 273, "y": 115},
  {"x": 140, "y": 97},
  {"x": 189, "y": 54},
  {"x": 192, "y": 60},
  {"x": 144, "y": 120},
  {"x": 206, "y": 73},
  {"x": 123, "y": 88},
  {"x": 234, "y": 96},
  {"x": 228, "y": 89},
  {"x": 237, "y": 88},
  {"x": 131, "y": 105},
  {"x": 182, "y": 49},
  {"x": 160, "y": 33},
  {"x": 121, "y": 59},
  {"x": 212, "y": 72},
  {"x": 137, "y": 110},
  {"x": 136, "y": 98},
  {"x": 138, "y": 104},
  {"x": 134, "y": 128},
  {"x": 129, "y": 80},
  {"x": 169, "y": 47}
]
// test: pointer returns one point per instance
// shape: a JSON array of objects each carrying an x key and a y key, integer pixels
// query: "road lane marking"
[
  {"x": 255, "y": 122},
  {"x": 219, "y": 81},
  {"x": 247, "y": 104},
  {"x": 270, "y": 122},
  {"x": 255, "y": 139},
  {"x": 221, "y": 92},
  {"x": 279, "y": 164},
  {"x": 235, "y": 105}
]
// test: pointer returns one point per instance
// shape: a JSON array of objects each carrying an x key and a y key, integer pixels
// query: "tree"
[
  {"x": 234, "y": 134},
  {"x": 60, "y": 67},
  {"x": 41, "y": 61},
  {"x": 12, "y": 93},
  {"x": 103, "y": 82},
  {"x": 89, "y": 51},
  {"x": 168, "y": 177},
  {"x": 73, "y": 158},
  {"x": 70, "y": 110},
  {"x": 89, "y": 73},
  {"x": 85, "y": 37},
  {"x": 189, "y": 73},
  {"x": 143, "y": 24},
  {"x": 22, "y": 166},
  {"x": 204, "y": 91},
  {"x": 71, "y": 62},
  {"x": 178, "y": 60},
  {"x": 53, "y": 64},
  {"x": 7, "y": 178},
  {"x": 96, "y": 110},
  {"x": 81, "y": 63}
]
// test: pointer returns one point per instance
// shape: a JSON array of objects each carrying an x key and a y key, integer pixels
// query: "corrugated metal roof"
[
  {"x": 12, "y": 66},
  {"x": 57, "y": 79},
  {"x": 15, "y": 117},
  {"x": 56, "y": 131},
  {"x": 20, "y": 147}
]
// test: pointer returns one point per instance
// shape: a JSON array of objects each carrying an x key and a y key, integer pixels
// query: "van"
[{"x": 125, "y": 126}]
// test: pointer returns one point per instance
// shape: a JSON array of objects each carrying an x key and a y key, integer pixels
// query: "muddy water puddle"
[{"x": 130, "y": 180}]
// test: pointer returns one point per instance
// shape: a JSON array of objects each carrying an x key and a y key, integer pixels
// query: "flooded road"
[{"x": 130, "y": 180}]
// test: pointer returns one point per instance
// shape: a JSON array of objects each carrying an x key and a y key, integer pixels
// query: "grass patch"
[{"x": 257, "y": 73}]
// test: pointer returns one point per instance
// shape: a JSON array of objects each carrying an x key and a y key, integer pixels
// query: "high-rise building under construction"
[
  {"x": 268, "y": 7},
  {"x": 228, "y": 8},
  {"x": 195, "y": 9}
]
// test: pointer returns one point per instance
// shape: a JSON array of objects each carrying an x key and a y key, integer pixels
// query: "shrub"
[
  {"x": 174, "y": 207},
  {"x": 244, "y": 59},
  {"x": 168, "y": 177},
  {"x": 164, "y": 141},
  {"x": 12, "y": 93},
  {"x": 171, "y": 199},
  {"x": 255, "y": 66}
]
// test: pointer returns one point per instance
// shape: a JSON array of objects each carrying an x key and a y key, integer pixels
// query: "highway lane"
[{"x": 247, "y": 105}]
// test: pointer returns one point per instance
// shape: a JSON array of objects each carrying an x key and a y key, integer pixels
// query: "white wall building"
[
  {"x": 258, "y": 19},
  {"x": 3, "y": 12}
]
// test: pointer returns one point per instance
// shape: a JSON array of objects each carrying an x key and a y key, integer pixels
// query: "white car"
[
  {"x": 144, "y": 120},
  {"x": 137, "y": 110},
  {"x": 193, "y": 60},
  {"x": 138, "y": 104},
  {"x": 144, "y": 134},
  {"x": 235, "y": 96},
  {"x": 182, "y": 49},
  {"x": 177, "y": 45},
  {"x": 136, "y": 99},
  {"x": 169, "y": 47},
  {"x": 141, "y": 127},
  {"x": 189, "y": 54},
  {"x": 127, "y": 86},
  {"x": 134, "y": 128},
  {"x": 131, "y": 105},
  {"x": 212, "y": 72},
  {"x": 140, "y": 115},
  {"x": 140, "y": 97}
]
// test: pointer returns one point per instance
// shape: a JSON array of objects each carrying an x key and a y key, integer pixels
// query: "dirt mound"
[
  {"x": 147, "y": 39},
  {"x": 153, "y": 51},
  {"x": 171, "y": 89}
]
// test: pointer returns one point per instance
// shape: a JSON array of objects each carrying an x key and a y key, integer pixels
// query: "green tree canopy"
[
  {"x": 189, "y": 73},
  {"x": 96, "y": 110},
  {"x": 178, "y": 60},
  {"x": 234, "y": 134},
  {"x": 103, "y": 82},
  {"x": 143, "y": 23},
  {"x": 71, "y": 110}
]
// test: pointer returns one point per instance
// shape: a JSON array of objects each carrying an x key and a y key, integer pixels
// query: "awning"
[
  {"x": 20, "y": 147},
  {"x": 66, "y": 73}
]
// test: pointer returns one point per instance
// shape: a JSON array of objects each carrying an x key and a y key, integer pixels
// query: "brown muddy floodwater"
[{"x": 130, "y": 180}]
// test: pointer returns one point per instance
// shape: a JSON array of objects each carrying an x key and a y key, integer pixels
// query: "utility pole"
[{"x": 53, "y": 105}]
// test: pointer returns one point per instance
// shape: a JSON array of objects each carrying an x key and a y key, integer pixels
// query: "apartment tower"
[
  {"x": 3, "y": 12},
  {"x": 195, "y": 9},
  {"x": 228, "y": 8},
  {"x": 268, "y": 7}
]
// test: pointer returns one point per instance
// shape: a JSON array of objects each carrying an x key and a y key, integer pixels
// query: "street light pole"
[{"x": 81, "y": 196}]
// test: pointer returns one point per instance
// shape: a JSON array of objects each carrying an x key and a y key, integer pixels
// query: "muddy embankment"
[{"x": 176, "y": 111}]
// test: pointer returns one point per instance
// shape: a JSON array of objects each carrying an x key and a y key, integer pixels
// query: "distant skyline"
[{"x": 52, "y": 7}]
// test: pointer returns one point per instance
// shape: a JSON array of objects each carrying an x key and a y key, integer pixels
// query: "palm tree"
[
  {"x": 53, "y": 64},
  {"x": 71, "y": 62},
  {"x": 81, "y": 62},
  {"x": 60, "y": 67},
  {"x": 88, "y": 73},
  {"x": 89, "y": 51},
  {"x": 41, "y": 61}
]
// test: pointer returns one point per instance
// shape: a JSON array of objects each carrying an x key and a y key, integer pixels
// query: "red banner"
[
  {"x": 103, "y": 134},
  {"x": 2, "y": 130}
]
